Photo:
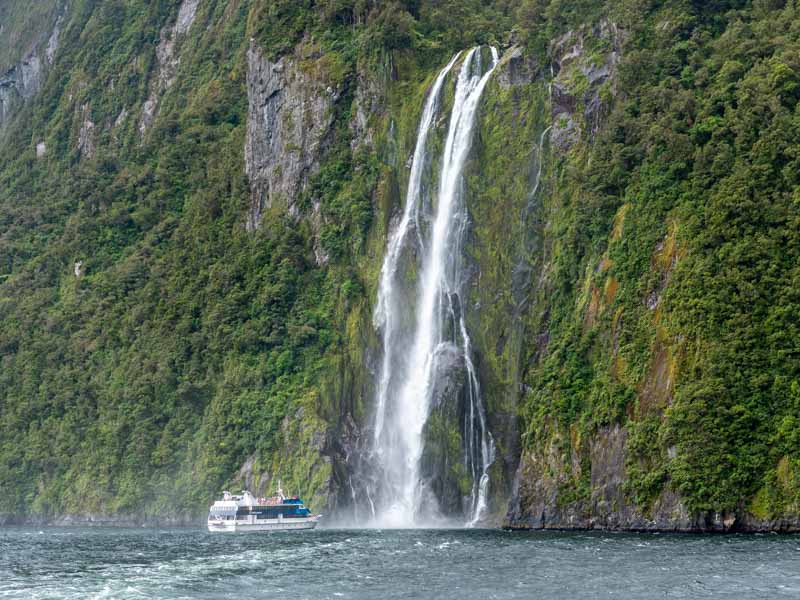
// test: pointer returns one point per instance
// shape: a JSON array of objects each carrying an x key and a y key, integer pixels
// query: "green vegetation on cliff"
[
  {"x": 149, "y": 342},
  {"x": 672, "y": 302},
  {"x": 635, "y": 223}
]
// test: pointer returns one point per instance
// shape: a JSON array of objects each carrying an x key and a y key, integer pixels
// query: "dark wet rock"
[
  {"x": 583, "y": 81},
  {"x": 19, "y": 84},
  {"x": 368, "y": 100},
  {"x": 289, "y": 117},
  {"x": 168, "y": 61},
  {"x": 23, "y": 80},
  {"x": 537, "y": 501},
  {"x": 443, "y": 453},
  {"x": 516, "y": 68}
]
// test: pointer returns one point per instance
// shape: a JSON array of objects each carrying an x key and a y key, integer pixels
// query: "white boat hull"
[{"x": 250, "y": 524}]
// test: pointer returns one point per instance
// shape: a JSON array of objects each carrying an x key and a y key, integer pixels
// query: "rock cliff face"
[
  {"x": 584, "y": 82},
  {"x": 22, "y": 81},
  {"x": 534, "y": 115},
  {"x": 167, "y": 60},
  {"x": 586, "y": 477},
  {"x": 289, "y": 117},
  {"x": 540, "y": 501},
  {"x": 575, "y": 483}
]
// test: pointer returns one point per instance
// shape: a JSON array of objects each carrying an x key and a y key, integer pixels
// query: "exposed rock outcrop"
[
  {"x": 53, "y": 41},
  {"x": 290, "y": 114},
  {"x": 20, "y": 83},
  {"x": 92, "y": 519},
  {"x": 23, "y": 80},
  {"x": 168, "y": 61},
  {"x": 86, "y": 141},
  {"x": 368, "y": 100},
  {"x": 584, "y": 64},
  {"x": 516, "y": 68},
  {"x": 540, "y": 499}
]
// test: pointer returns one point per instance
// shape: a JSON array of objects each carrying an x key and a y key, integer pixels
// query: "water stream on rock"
[{"x": 419, "y": 346}]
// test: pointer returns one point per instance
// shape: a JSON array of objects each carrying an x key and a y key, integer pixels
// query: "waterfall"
[
  {"x": 416, "y": 346},
  {"x": 387, "y": 309}
]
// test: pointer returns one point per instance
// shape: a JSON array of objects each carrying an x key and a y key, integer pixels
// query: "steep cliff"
[
  {"x": 659, "y": 380},
  {"x": 195, "y": 203},
  {"x": 290, "y": 115},
  {"x": 33, "y": 38}
]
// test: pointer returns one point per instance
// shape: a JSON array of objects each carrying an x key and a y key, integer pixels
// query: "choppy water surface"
[{"x": 183, "y": 563}]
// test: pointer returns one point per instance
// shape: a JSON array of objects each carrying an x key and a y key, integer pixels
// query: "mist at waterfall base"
[
  {"x": 79, "y": 563},
  {"x": 422, "y": 324}
]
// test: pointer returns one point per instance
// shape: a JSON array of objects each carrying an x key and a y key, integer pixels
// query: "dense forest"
[{"x": 165, "y": 331}]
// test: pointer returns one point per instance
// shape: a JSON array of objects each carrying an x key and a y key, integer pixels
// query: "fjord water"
[
  {"x": 418, "y": 347},
  {"x": 72, "y": 563}
]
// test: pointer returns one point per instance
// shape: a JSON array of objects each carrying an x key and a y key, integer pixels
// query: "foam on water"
[{"x": 366, "y": 564}]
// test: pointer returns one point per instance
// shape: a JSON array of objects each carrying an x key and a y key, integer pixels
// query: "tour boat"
[{"x": 248, "y": 513}]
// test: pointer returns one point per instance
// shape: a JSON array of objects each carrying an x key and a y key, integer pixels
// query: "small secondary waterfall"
[{"x": 418, "y": 345}]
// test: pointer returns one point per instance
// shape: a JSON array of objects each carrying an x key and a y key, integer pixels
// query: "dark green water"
[{"x": 183, "y": 563}]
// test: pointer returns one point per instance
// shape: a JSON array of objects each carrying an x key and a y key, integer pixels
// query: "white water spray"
[
  {"x": 410, "y": 363},
  {"x": 387, "y": 310}
]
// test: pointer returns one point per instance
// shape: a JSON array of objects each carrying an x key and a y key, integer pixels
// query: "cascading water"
[
  {"x": 387, "y": 309},
  {"x": 417, "y": 345}
]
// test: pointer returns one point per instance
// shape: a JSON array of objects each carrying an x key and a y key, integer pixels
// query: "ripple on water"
[{"x": 360, "y": 564}]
